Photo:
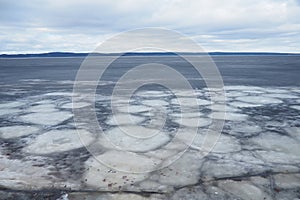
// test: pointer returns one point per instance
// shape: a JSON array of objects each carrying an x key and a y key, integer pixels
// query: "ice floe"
[
  {"x": 134, "y": 108},
  {"x": 124, "y": 119},
  {"x": 9, "y": 111},
  {"x": 282, "y": 96},
  {"x": 16, "y": 131},
  {"x": 130, "y": 167},
  {"x": 155, "y": 103},
  {"x": 184, "y": 171},
  {"x": 275, "y": 142},
  {"x": 190, "y": 102},
  {"x": 134, "y": 138},
  {"x": 17, "y": 174},
  {"x": 11, "y": 104},
  {"x": 259, "y": 100},
  {"x": 296, "y": 107},
  {"x": 193, "y": 122},
  {"x": 228, "y": 116},
  {"x": 224, "y": 144},
  {"x": 76, "y": 105},
  {"x": 44, "y": 108},
  {"x": 49, "y": 118},
  {"x": 244, "y": 190},
  {"x": 59, "y": 141},
  {"x": 240, "y": 104}
]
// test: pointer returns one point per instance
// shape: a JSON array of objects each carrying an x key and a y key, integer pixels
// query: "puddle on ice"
[
  {"x": 16, "y": 131},
  {"x": 50, "y": 118},
  {"x": 59, "y": 141}
]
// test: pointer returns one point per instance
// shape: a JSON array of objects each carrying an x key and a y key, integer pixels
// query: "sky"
[{"x": 34, "y": 26}]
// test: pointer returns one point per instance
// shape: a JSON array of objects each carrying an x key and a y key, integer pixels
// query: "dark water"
[{"x": 235, "y": 70}]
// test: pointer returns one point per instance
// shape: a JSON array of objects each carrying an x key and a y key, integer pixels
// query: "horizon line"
[{"x": 66, "y": 53}]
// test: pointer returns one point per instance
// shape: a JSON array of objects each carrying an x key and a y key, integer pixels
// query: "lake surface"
[{"x": 152, "y": 149}]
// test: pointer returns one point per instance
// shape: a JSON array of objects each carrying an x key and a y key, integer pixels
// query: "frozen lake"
[{"x": 256, "y": 157}]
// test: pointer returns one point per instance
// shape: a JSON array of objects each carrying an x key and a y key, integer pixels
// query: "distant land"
[{"x": 70, "y": 54}]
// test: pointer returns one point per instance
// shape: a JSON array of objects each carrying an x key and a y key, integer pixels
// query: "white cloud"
[{"x": 237, "y": 25}]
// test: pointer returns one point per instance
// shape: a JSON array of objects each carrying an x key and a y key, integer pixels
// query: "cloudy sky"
[{"x": 79, "y": 26}]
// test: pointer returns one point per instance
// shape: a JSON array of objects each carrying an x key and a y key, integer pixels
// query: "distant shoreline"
[{"x": 70, "y": 54}]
